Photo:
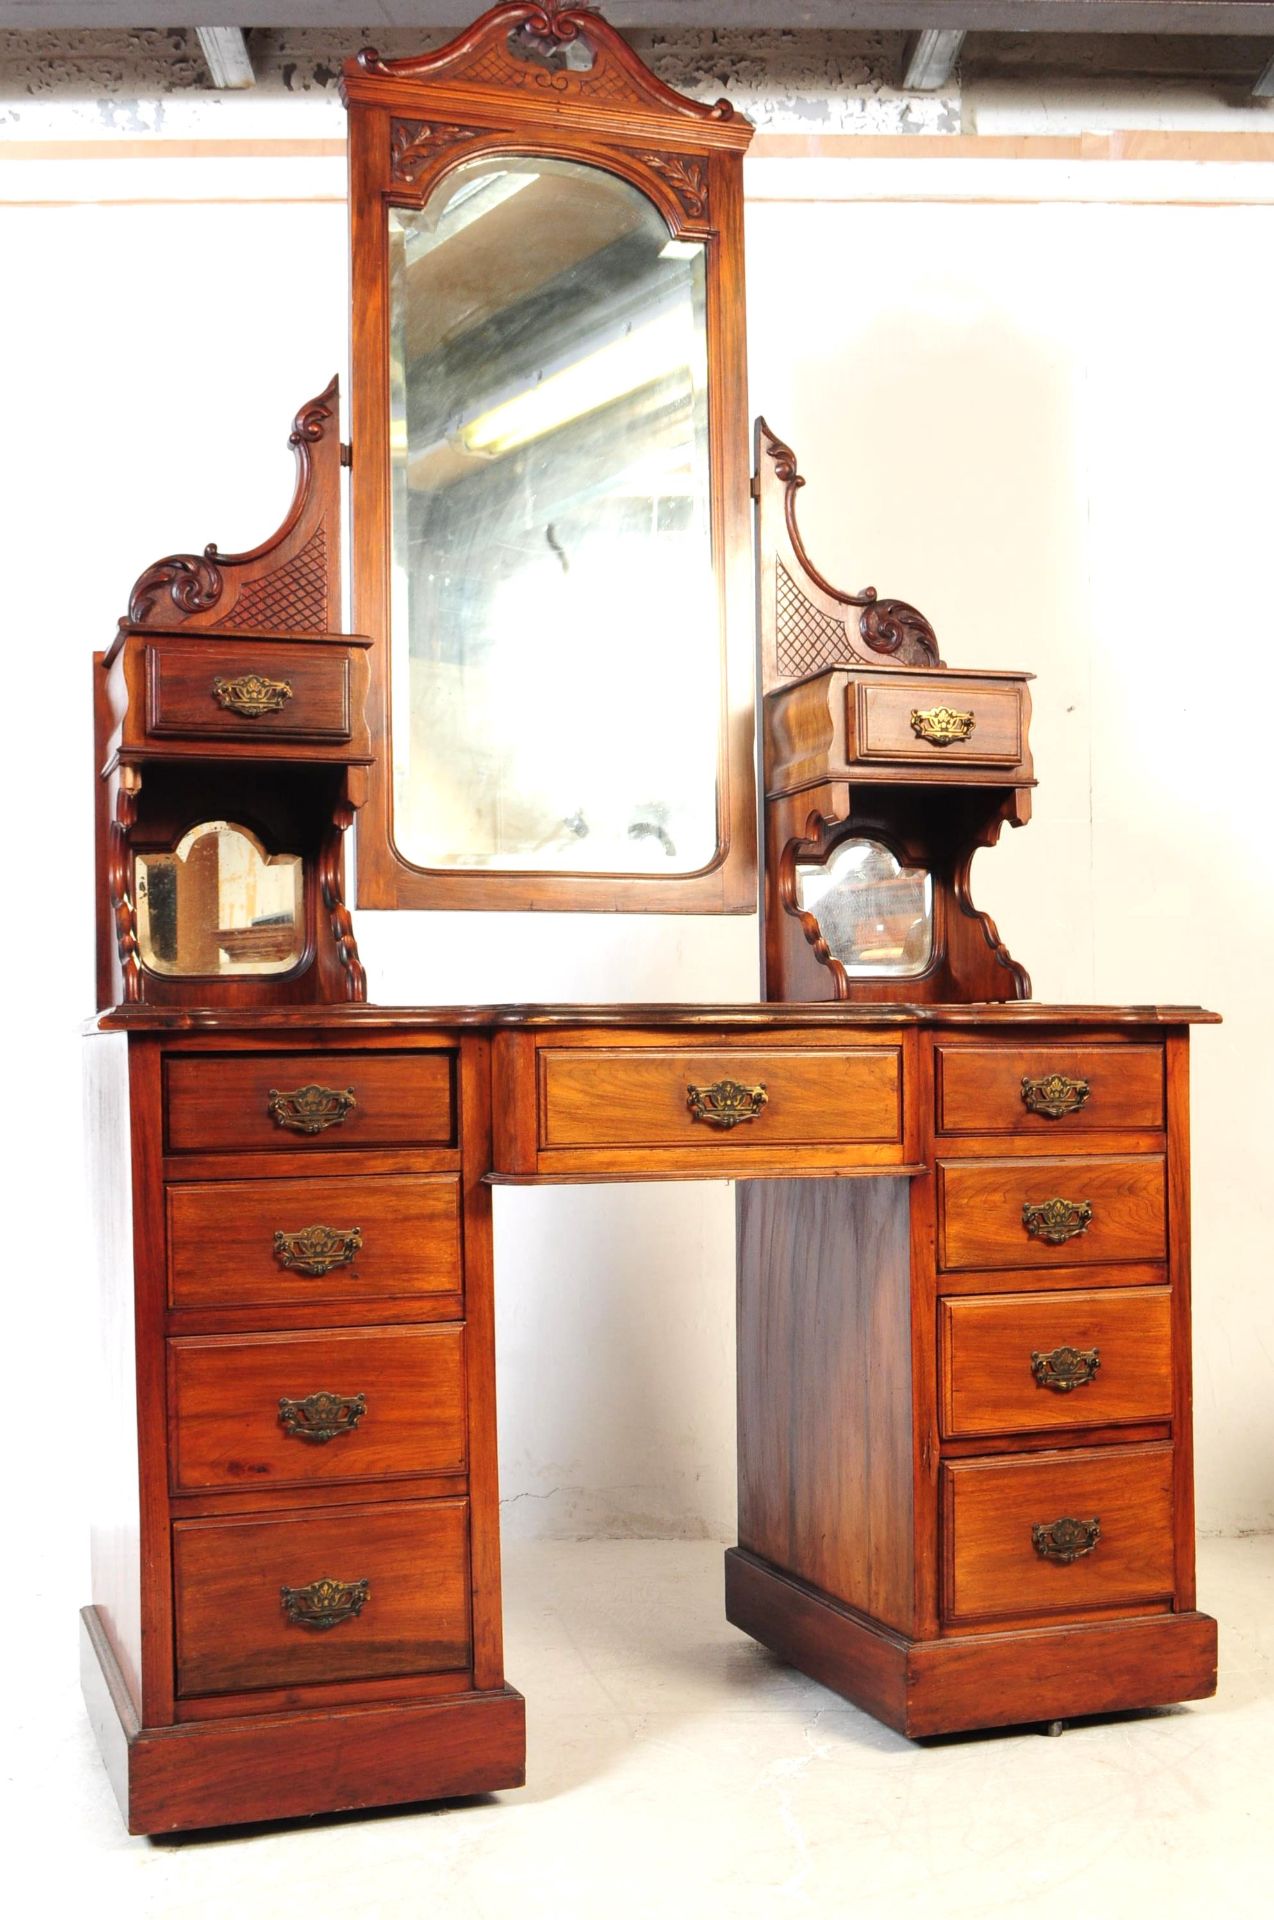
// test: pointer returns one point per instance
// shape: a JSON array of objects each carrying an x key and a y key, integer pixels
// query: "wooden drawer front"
[
  {"x": 1028, "y": 1362},
  {"x": 596, "y": 1097},
  {"x": 233, "y": 1630},
  {"x": 982, "y": 1205},
  {"x": 991, "y": 1563},
  {"x": 252, "y": 1242},
  {"x": 205, "y": 690},
  {"x": 231, "y": 1100},
  {"x": 1049, "y": 1090},
  {"x": 881, "y": 724},
  {"x": 290, "y": 1409}
]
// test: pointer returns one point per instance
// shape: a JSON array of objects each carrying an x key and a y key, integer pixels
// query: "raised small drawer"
[
  {"x": 200, "y": 689},
  {"x": 238, "y": 1243},
  {"x": 1048, "y": 1090},
  {"x": 728, "y": 1102},
  {"x": 956, "y": 722},
  {"x": 1051, "y": 1212},
  {"x": 371, "y": 1590},
  {"x": 308, "y": 1101},
  {"x": 1011, "y": 1527},
  {"x": 1036, "y": 1362},
  {"x": 293, "y": 1409}
]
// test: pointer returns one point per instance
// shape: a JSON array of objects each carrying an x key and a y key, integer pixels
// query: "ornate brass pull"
[
  {"x": 941, "y": 726},
  {"x": 1053, "y": 1094},
  {"x": 310, "y": 1109},
  {"x": 322, "y": 1416},
  {"x": 725, "y": 1103},
  {"x": 250, "y": 694},
  {"x": 317, "y": 1249},
  {"x": 1065, "y": 1368},
  {"x": 1065, "y": 1540},
  {"x": 325, "y": 1603},
  {"x": 1056, "y": 1220}
]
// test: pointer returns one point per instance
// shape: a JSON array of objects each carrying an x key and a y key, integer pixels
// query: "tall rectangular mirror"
[{"x": 550, "y": 477}]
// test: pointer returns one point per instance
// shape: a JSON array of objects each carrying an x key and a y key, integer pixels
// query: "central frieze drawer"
[
  {"x": 727, "y": 1102},
  {"x": 282, "y": 1600},
  {"x": 294, "y": 1409},
  {"x": 309, "y": 1101},
  {"x": 296, "y": 1242},
  {"x": 1058, "y": 1533},
  {"x": 1030, "y": 1362},
  {"x": 1051, "y": 1212}
]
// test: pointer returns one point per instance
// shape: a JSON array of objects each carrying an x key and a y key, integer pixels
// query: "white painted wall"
[{"x": 1042, "y": 422}]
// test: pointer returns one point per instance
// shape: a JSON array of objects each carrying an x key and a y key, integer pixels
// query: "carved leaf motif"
[
  {"x": 895, "y": 627},
  {"x": 193, "y": 583},
  {"x": 687, "y": 178},
  {"x": 413, "y": 144}
]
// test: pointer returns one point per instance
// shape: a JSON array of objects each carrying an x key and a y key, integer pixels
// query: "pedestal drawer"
[
  {"x": 206, "y": 688},
  {"x": 974, "y": 722},
  {"x": 292, "y": 1409},
  {"x": 282, "y": 1600},
  {"x": 1051, "y": 1212},
  {"x": 315, "y": 1101},
  {"x": 1054, "y": 1089},
  {"x": 1057, "y": 1533},
  {"x": 256, "y": 1242},
  {"x": 1030, "y": 1362}
]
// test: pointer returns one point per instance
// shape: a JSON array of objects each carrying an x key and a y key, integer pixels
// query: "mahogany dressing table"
[{"x": 965, "y": 1478}]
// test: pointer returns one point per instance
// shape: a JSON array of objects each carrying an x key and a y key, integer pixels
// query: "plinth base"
[{"x": 923, "y": 1687}]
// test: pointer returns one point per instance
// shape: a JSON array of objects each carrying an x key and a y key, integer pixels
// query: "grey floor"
[{"x": 676, "y": 1768}]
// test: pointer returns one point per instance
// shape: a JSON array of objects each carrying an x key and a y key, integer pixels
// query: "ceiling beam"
[
  {"x": 930, "y": 58},
  {"x": 226, "y": 56}
]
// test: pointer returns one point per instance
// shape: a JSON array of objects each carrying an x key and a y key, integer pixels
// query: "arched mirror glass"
[
  {"x": 875, "y": 914},
  {"x": 219, "y": 904},
  {"x": 556, "y": 657}
]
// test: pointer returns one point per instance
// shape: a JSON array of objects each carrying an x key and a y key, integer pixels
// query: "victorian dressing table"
[{"x": 965, "y": 1481}]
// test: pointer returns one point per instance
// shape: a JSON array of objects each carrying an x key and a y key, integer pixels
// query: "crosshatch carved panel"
[
  {"x": 293, "y": 600},
  {"x": 807, "y": 637}
]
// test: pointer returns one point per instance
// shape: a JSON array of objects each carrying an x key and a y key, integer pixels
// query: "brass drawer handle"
[
  {"x": 250, "y": 694},
  {"x": 325, "y": 1603},
  {"x": 725, "y": 1103},
  {"x": 322, "y": 1416},
  {"x": 1054, "y": 1095},
  {"x": 310, "y": 1109},
  {"x": 1056, "y": 1220},
  {"x": 1065, "y": 1368},
  {"x": 941, "y": 726},
  {"x": 1065, "y": 1540},
  {"x": 317, "y": 1249}
]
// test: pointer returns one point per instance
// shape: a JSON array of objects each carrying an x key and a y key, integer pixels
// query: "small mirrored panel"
[
  {"x": 556, "y": 677},
  {"x": 875, "y": 914},
  {"x": 219, "y": 904}
]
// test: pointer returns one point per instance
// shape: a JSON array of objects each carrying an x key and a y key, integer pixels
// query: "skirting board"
[
  {"x": 276, "y": 1766},
  {"x": 925, "y": 1687}
]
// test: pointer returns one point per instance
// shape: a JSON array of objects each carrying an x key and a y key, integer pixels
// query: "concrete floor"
[{"x": 676, "y": 1768}]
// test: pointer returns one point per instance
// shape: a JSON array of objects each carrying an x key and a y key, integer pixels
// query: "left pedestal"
[{"x": 295, "y": 1555}]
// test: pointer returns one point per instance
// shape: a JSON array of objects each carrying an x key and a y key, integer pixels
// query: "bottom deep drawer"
[
  {"x": 284, "y": 1599},
  {"x": 1061, "y": 1532}
]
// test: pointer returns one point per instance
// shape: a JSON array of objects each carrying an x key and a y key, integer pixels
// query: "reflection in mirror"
[
  {"x": 875, "y": 914},
  {"x": 556, "y": 649},
  {"x": 219, "y": 904}
]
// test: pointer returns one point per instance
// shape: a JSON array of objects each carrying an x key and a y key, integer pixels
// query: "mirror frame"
[{"x": 410, "y": 123}]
